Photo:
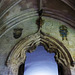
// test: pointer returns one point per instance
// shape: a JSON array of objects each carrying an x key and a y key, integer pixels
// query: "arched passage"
[
  {"x": 40, "y": 62},
  {"x": 52, "y": 45}
]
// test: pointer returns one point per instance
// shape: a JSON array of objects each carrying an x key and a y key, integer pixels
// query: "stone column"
[
  {"x": 64, "y": 70},
  {"x": 13, "y": 69}
]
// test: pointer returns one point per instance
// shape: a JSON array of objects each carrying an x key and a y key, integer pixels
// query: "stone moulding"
[
  {"x": 17, "y": 55},
  {"x": 70, "y": 3},
  {"x": 14, "y": 21},
  {"x": 60, "y": 16},
  {"x": 9, "y": 24},
  {"x": 9, "y": 8}
]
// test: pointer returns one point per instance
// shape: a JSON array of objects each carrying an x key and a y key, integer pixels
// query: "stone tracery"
[{"x": 18, "y": 54}]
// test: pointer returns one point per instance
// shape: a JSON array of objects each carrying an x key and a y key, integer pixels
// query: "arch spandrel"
[{"x": 23, "y": 46}]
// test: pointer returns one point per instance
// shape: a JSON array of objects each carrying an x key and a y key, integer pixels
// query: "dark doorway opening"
[{"x": 21, "y": 69}]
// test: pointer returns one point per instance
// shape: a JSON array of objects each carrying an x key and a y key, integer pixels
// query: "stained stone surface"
[
  {"x": 51, "y": 27},
  {"x": 23, "y": 14}
]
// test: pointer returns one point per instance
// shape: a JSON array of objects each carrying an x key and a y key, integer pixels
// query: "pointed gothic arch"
[{"x": 18, "y": 54}]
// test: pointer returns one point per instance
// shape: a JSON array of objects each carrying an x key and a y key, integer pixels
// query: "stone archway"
[{"x": 18, "y": 54}]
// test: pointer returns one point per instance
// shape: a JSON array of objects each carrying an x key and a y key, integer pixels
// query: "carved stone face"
[{"x": 17, "y": 33}]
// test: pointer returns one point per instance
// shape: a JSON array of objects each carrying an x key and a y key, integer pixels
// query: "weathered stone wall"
[
  {"x": 50, "y": 27},
  {"x": 7, "y": 41},
  {"x": 23, "y": 14}
]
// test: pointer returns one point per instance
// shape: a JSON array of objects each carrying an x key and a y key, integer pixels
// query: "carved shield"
[{"x": 17, "y": 33}]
